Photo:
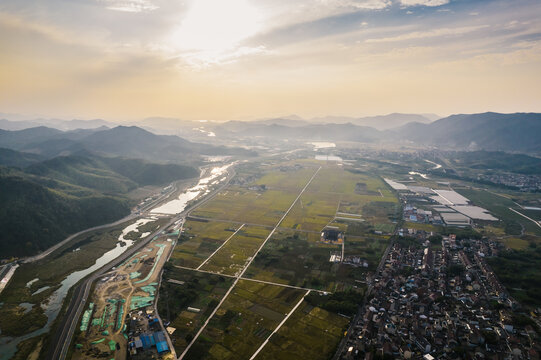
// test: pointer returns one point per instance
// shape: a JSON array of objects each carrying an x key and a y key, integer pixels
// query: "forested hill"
[{"x": 42, "y": 202}]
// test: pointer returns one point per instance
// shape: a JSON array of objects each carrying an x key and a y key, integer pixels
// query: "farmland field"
[
  {"x": 200, "y": 290},
  {"x": 247, "y": 206},
  {"x": 199, "y": 240},
  {"x": 316, "y": 333},
  {"x": 231, "y": 258},
  {"x": 245, "y": 319},
  {"x": 221, "y": 242}
]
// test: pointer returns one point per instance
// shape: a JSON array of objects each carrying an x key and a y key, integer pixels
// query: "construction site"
[{"x": 120, "y": 321}]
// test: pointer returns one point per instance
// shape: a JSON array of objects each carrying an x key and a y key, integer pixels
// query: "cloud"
[
  {"x": 424, "y": 2},
  {"x": 356, "y": 4},
  {"x": 429, "y": 34},
  {"x": 201, "y": 60},
  {"x": 134, "y": 6}
]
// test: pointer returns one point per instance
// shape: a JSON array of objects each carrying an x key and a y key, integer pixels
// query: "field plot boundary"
[
  {"x": 254, "y": 280},
  {"x": 527, "y": 217},
  {"x": 245, "y": 268},
  {"x": 279, "y": 326},
  {"x": 215, "y": 251}
]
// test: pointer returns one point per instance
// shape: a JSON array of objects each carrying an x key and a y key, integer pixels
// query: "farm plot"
[
  {"x": 250, "y": 314},
  {"x": 369, "y": 248},
  {"x": 232, "y": 257},
  {"x": 286, "y": 179},
  {"x": 199, "y": 240},
  {"x": 300, "y": 259},
  {"x": 310, "y": 333},
  {"x": 248, "y": 206},
  {"x": 334, "y": 179},
  {"x": 312, "y": 212},
  {"x": 183, "y": 289}
]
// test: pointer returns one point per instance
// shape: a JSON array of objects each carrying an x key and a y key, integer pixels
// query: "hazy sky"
[{"x": 236, "y": 59}]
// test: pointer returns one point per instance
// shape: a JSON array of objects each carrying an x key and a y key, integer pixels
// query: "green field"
[
  {"x": 247, "y": 206},
  {"x": 232, "y": 257},
  {"x": 301, "y": 259},
  {"x": 286, "y": 180},
  {"x": 294, "y": 255},
  {"x": 310, "y": 333},
  {"x": 250, "y": 314},
  {"x": 200, "y": 239},
  {"x": 202, "y": 291},
  {"x": 312, "y": 212}
]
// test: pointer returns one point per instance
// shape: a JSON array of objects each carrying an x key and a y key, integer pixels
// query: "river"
[
  {"x": 52, "y": 306},
  {"x": 178, "y": 205}
]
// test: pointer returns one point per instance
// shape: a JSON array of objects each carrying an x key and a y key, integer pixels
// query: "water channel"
[{"x": 52, "y": 306}]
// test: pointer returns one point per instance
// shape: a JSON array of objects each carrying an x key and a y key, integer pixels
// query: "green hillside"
[
  {"x": 33, "y": 217},
  {"x": 45, "y": 202}
]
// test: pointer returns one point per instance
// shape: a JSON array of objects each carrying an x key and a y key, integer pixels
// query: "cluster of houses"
[
  {"x": 439, "y": 303},
  {"x": 413, "y": 214},
  {"x": 523, "y": 182}
]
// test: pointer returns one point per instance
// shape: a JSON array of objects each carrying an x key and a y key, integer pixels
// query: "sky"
[{"x": 243, "y": 59}]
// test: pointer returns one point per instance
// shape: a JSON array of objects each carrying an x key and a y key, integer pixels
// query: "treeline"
[{"x": 342, "y": 302}]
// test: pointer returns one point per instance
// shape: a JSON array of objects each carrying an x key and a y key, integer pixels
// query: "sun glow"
[{"x": 213, "y": 27}]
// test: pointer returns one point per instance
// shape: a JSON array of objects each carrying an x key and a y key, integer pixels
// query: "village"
[{"x": 440, "y": 304}]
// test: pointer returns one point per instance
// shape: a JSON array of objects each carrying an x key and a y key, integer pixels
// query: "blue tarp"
[
  {"x": 162, "y": 347},
  {"x": 159, "y": 336},
  {"x": 148, "y": 341}
]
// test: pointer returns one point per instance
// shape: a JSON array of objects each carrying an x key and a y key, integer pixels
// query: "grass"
[
  {"x": 525, "y": 284},
  {"x": 199, "y": 240},
  {"x": 247, "y": 206},
  {"x": 425, "y": 227},
  {"x": 310, "y": 333},
  {"x": 287, "y": 180},
  {"x": 250, "y": 313},
  {"x": 515, "y": 243},
  {"x": 232, "y": 257},
  {"x": 312, "y": 212}
]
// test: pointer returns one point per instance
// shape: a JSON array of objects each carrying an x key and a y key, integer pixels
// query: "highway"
[
  {"x": 132, "y": 216},
  {"x": 61, "y": 340}
]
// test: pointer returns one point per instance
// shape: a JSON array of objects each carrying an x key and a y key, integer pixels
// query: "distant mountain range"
[
  {"x": 487, "y": 131},
  {"x": 127, "y": 141},
  {"x": 65, "y": 125},
  {"x": 518, "y": 132}
]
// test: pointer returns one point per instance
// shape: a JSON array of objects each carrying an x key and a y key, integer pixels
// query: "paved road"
[
  {"x": 279, "y": 326},
  {"x": 527, "y": 217},
  {"x": 132, "y": 216},
  {"x": 246, "y": 267},
  {"x": 62, "y": 338},
  {"x": 254, "y": 280}
]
